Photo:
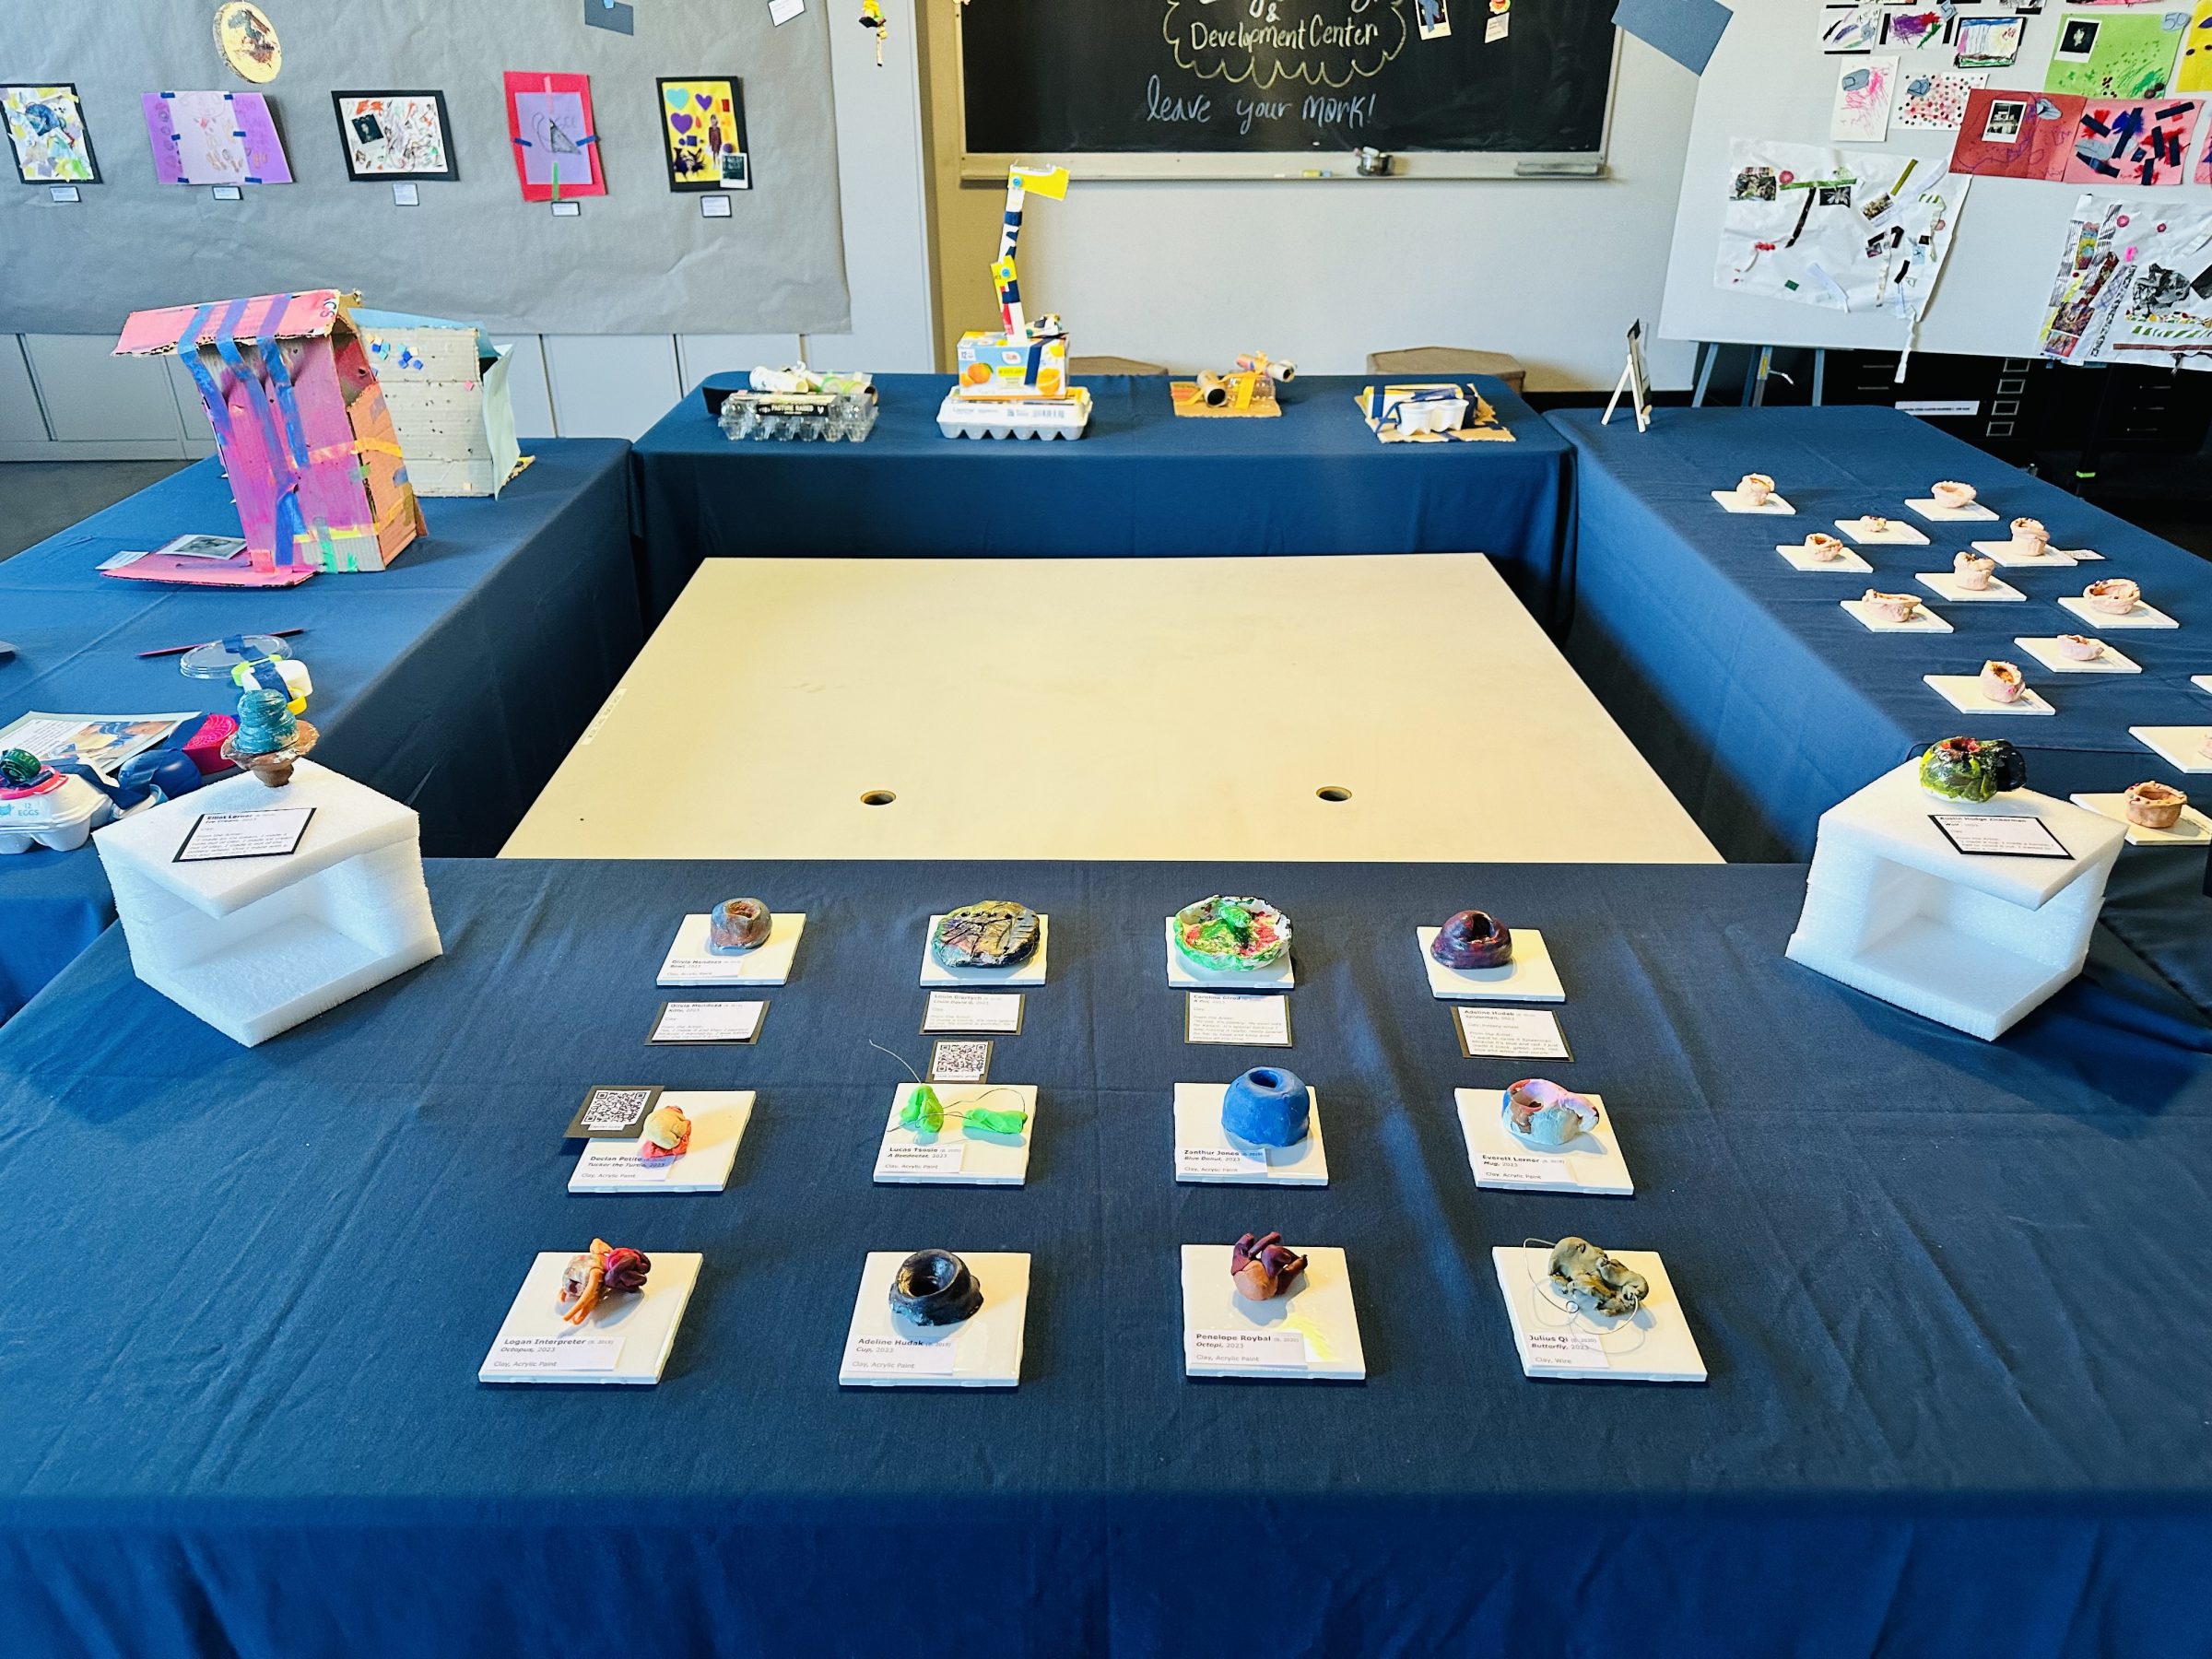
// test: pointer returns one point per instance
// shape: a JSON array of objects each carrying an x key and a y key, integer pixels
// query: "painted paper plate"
[{"x": 247, "y": 40}]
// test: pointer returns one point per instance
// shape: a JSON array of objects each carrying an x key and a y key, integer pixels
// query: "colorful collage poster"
[
  {"x": 703, "y": 131},
  {"x": 46, "y": 127},
  {"x": 395, "y": 134}
]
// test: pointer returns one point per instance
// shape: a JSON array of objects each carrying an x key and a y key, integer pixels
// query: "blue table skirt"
[
  {"x": 455, "y": 681},
  {"x": 1759, "y": 700},
  {"x": 1141, "y": 481},
  {"x": 1945, "y": 1289}
]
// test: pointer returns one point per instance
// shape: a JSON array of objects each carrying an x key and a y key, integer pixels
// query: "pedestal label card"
[
  {"x": 938, "y": 1158},
  {"x": 973, "y": 1011},
  {"x": 1253, "y": 1021},
  {"x": 707, "y": 1022},
  {"x": 1568, "y": 1350},
  {"x": 1511, "y": 1033},
  {"x": 1286, "y": 1348},
  {"x": 1994, "y": 836},
  {"x": 274, "y": 832},
  {"x": 896, "y": 1356},
  {"x": 552, "y": 1356},
  {"x": 1522, "y": 1167}
]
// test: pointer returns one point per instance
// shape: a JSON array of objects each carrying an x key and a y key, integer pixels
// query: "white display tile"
[
  {"x": 1206, "y": 1152},
  {"x": 2180, "y": 747},
  {"x": 1185, "y": 974},
  {"x": 689, "y": 962},
  {"x": 718, "y": 1123},
  {"x": 2049, "y": 558},
  {"x": 1935, "y": 513},
  {"x": 1893, "y": 908},
  {"x": 1590, "y": 1162},
  {"x": 1557, "y": 1342},
  {"x": 255, "y": 945},
  {"x": 2203, "y": 682},
  {"x": 1945, "y": 584},
  {"x": 1020, "y": 976},
  {"x": 1774, "y": 506},
  {"x": 1227, "y": 1335},
  {"x": 2143, "y": 616},
  {"x": 1529, "y": 977},
  {"x": 1895, "y": 534},
  {"x": 2192, "y": 830},
  {"x": 626, "y": 1339},
  {"x": 883, "y": 1350},
  {"x": 1802, "y": 558},
  {"x": 1964, "y": 692},
  {"x": 956, "y": 1155},
  {"x": 2044, "y": 649},
  {"x": 1925, "y": 621}
]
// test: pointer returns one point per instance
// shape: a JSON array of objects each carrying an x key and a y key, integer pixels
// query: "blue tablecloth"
[
  {"x": 1141, "y": 481},
  {"x": 1947, "y": 1291},
  {"x": 1759, "y": 701},
  {"x": 455, "y": 681}
]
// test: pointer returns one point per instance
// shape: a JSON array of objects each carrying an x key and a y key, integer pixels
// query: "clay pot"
[
  {"x": 934, "y": 1288},
  {"x": 2115, "y": 594},
  {"x": 1951, "y": 494},
  {"x": 1826, "y": 549},
  {"x": 1755, "y": 487},
  {"x": 2080, "y": 647},
  {"x": 2003, "y": 682},
  {"x": 1973, "y": 571},
  {"x": 1892, "y": 607},
  {"x": 1473, "y": 938},
  {"x": 1268, "y": 1106},
  {"x": 2029, "y": 537},
  {"x": 2156, "y": 805}
]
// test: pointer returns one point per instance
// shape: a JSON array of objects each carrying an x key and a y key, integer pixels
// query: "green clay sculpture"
[
  {"x": 19, "y": 768},
  {"x": 925, "y": 1114}
]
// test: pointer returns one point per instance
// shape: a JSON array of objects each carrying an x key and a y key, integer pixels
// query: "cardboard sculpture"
[
  {"x": 300, "y": 424},
  {"x": 446, "y": 386},
  {"x": 1013, "y": 381}
]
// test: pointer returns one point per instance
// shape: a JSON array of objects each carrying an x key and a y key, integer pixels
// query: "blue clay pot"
[{"x": 1267, "y": 1106}]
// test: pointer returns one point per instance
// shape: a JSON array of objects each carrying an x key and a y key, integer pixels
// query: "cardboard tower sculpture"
[
  {"x": 1014, "y": 381},
  {"x": 300, "y": 422}
]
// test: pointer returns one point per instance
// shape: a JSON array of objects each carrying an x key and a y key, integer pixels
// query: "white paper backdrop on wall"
[{"x": 640, "y": 259}]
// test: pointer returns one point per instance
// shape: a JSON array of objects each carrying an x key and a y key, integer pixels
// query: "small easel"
[{"x": 1635, "y": 380}]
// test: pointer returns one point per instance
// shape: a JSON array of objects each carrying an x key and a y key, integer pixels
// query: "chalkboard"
[{"x": 1045, "y": 77}]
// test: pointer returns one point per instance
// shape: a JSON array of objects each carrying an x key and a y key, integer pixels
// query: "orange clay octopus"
[{"x": 597, "y": 1273}]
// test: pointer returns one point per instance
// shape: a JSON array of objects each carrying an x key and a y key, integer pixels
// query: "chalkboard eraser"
[{"x": 1559, "y": 170}]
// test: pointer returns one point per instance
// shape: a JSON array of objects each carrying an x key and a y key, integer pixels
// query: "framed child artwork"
[{"x": 702, "y": 132}]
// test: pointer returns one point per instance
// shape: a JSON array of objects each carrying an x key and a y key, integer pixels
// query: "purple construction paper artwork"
[{"x": 214, "y": 138}]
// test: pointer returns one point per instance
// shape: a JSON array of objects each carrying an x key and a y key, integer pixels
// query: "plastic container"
[{"x": 58, "y": 811}]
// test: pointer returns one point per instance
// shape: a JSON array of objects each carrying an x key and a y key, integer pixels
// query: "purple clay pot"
[
  {"x": 1472, "y": 939},
  {"x": 738, "y": 925}
]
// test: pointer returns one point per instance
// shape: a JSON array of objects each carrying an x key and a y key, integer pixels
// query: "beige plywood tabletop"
[{"x": 1106, "y": 709}]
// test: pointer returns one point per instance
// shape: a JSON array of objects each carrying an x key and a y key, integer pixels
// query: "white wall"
[
  {"x": 1326, "y": 271},
  {"x": 63, "y": 397}
]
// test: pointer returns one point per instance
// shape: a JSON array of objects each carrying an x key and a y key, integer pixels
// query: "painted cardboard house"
[
  {"x": 446, "y": 386},
  {"x": 300, "y": 424}
]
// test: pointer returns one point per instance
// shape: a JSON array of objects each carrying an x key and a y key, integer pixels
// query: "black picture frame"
[{"x": 345, "y": 135}]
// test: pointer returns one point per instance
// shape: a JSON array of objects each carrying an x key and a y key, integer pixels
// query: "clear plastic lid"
[{"x": 214, "y": 660}]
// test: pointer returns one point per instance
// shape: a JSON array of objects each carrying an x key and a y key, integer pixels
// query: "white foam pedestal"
[
  {"x": 255, "y": 945},
  {"x": 1892, "y": 909}
]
